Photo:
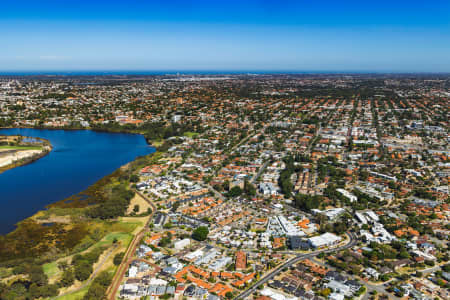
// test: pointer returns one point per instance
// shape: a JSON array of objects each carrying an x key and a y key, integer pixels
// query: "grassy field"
[
  {"x": 156, "y": 143},
  {"x": 122, "y": 231},
  {"x": 51, "y": 269},
  {"x": 76, "y": 295},
  {"x": 123, "y": 238},
  {"x": 5, "y": 272},
  {"x": 190, "y": 134},
  {"x": 20, "y": 147},
  {"x": 138, "y": 200}
]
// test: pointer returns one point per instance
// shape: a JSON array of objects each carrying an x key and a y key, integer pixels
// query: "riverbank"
[
  {"x": 78, "y": 159},
  {"x": 75, "y": 227},
  {"x": 155, "y": 134},
  {"x": 74, "y": 128},
  {"x": 12, "y": 156}
]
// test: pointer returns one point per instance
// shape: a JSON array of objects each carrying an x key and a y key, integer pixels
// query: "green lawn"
[
  {"x": 21, "y": 147},
  {"x": 190, "y": 134},
  {"x": 156, "y": 143},
  {"x": 123, "y": 238},
  {"x": 5, "y": 272},
  {"x": 76, "y": 295},
  {"x": 51, "y": 269}
]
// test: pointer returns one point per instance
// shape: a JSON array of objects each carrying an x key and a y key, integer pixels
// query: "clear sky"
[{"x": 298, "y": 35}]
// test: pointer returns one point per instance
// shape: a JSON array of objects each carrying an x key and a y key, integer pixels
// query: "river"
[{"x": 79, "y": 158}]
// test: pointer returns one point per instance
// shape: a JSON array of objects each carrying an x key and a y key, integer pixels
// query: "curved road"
[{"x": 352, "y": 242}]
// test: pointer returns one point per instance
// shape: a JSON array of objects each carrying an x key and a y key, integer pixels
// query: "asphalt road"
[
  {"x": 256, "y": 176},
  {"x": 216, "y": 193},
  {"x": 352, "y": 242}
]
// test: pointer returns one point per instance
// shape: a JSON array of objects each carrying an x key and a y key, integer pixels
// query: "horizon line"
[{"x": 206, "y": 72}]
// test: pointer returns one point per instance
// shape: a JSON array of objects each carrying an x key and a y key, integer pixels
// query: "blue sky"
[{"x": 301, "y": 35}]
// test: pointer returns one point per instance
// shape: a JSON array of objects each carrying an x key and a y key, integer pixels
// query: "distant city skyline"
[{"x": 268, "y": 36}]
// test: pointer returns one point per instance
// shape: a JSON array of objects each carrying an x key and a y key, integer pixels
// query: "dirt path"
[
  {"x": 128, "y": 257},
  {"x": 96, "y": 270}
]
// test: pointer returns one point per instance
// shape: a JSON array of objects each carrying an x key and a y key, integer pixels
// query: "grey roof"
[
  {"x": 170, "y": 289},
  {"x": 160, "y": 290}
]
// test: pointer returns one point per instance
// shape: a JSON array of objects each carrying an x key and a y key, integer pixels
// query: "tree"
[
  {"x": 114, "y": 204},
  {"x": 134, "y": 178},
  {"x": 49, "y": 290},
  {"x": 384, "y": 277},
  {"x": 38, "y": 276},
  {"x": 325, "y": 292},
  {"x": 83, "y": 269},
  {"x": 19, "y": 269},
  {"x": 361, "y": 291},
  {"x": 404, "y": 254},
  {"x": 235, "y": 192},
  {"x": 307, "y": 202},
  {"x": 136, "y": 208},
  {"x": 67, "y": 278},
  {"x": 96, "y": 291},
  {"x": 249, "y": 189},
  {"x": 98, "y": 288},
  {"x": 226, "y": 185},
  {"x": 63, "y": 265},
  {"x": 200, "y": 233},
  {"x": 118, "y": 258},
  {"x": 34, "y": 291},
  {"x": 165, "y": 241},
  {"x": 429, "y": 262},
  {"x": 175, "y": 206},
  {"x": 363, "y": 175},
  {"x": 168, "y": 225}
]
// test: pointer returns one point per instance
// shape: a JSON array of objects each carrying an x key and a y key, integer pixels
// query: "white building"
[
  {"x": 181, "y": 244},
  {"x": 132, "y": 271},
  {"x": 347, "y": 194},
  {"x": 372, "y": 216},
  {"x": 194, "y": 255},
  {"x": 361, "y": 218},
  {"x": 267, "y": 189},
  {"x": 275, "y": 296},
  {"x": 336, "y": 296},
  {"x": 331, "y": 214},
  {"x": 176, "y": 118},
  {"x": 339, "y": 287},
  {"x": 372, "y": 272},
  {"x": 325, "y": 240}
]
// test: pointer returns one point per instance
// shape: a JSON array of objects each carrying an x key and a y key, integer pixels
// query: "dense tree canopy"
[{"x": 200, "y": 233}]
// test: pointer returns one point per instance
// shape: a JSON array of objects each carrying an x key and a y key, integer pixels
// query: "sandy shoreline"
[{"x": 10, "y": 158}]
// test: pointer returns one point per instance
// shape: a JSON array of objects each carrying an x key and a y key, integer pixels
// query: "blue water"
[{"x": 78, "y": 159}]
